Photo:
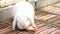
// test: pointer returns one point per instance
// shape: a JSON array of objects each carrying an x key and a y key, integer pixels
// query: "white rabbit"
[{"x": 24, "y": 15}]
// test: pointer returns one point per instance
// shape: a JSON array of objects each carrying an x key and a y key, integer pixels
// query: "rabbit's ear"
[
  {"x": 14, "y": 24},
  {"x": 31, "y": 20}
]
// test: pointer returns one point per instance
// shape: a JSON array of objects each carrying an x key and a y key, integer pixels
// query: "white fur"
[{"x": 24, "y": 15}]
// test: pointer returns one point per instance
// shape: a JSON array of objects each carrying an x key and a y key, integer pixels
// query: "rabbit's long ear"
[
  {"x": 14, "y": 24},
  {"x": 31, "y": 20}
]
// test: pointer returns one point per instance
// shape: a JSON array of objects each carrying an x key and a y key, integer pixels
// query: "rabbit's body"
[{"x": 24, "y": 15}]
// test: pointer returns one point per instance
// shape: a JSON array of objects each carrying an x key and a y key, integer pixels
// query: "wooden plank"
[
  {"x": 55, "y": 32},
  {"x": 48, "y": 31}
]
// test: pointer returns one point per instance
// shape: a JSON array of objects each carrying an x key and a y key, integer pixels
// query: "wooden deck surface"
[
  {"x": 43, "y": 28},
  {"x": 47, "y": 23}
]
